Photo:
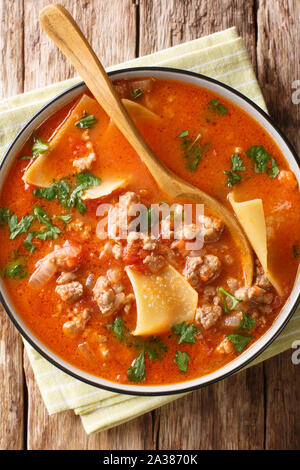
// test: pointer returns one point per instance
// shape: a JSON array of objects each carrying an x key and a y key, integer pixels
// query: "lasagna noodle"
[
  {"x": 252, "y": 218},
  {"x": 162, "y": 299}
]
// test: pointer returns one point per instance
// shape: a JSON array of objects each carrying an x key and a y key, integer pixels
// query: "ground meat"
[
  {"x": 82, "y": 228},
  {"x": 202, "y": 269},
  {"x": 233, "y": 320},
  {"x": 73, "y": 327},
  {"x": 233, "y": 284},
  {"x": 70, "y": 292},
  {"x": 110, "y": 297},
  {"x": 85, "y": 163},
  {"x": 191, "y": 270},
  {"x": 255, "y": 294},
  {"x": 117, "y": 251},
  {"x": 212, "y": 228},
  {"x": 261, "y": 279},
  {"x": 210, "y": 268},
  {"x": 65, "y": 277},
  {"x": 147, "y": 242},
  {"x": 128, "y": 199},
  {"x": 154, "y": 262},
  {"x": 208, "y": 315}
]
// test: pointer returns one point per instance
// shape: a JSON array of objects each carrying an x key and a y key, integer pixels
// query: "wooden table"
[{"x": 255, "y": 409}]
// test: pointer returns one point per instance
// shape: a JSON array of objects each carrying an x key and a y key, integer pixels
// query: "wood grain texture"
[
  {"x": 165, "y": 23},
  {"x": 255, "y": 409},
  {"x": 278, "y": 37},
  {"x": 282, "y": 403},
  {"x": 11, "y": 366},
  {"x": 111, "y": 32}
]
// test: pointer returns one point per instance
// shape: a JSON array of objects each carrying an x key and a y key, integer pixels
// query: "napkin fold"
[{"x": 221, "y": 56}]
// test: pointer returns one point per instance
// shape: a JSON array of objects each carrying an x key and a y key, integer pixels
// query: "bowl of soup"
[{"x": 120, "y": 286}]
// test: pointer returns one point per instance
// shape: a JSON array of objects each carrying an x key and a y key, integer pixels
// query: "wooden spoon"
[{"x": 62, "y": 29}]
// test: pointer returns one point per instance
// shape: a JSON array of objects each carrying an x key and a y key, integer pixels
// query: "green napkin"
[{"x": 222, "y": 56}]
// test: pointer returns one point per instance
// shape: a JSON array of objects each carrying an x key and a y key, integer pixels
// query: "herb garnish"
[
  {"x": 295, "y": 249},
  {"x": 224, "y": 293},
  {"x": 51, "y": 231},
  {"x": 239, "y": 341},
  {"x": 247, "y": 322},
  {"x": 155, "y": 348},
  {"x": 236, "y": 165},
  {"x": 61, "y": 191},
  {"x": 28, "y": 245},
  {"x": 135, "y": 93},
  {"x": 86, "y": 122},
  {"x": 192, "y": 150},
  {"x": 119, "y": 327},
  {"x": 217, "y": 107},
  {"x": 15, "y": 268},
  {"x": 136, "y": 372},
  {"x": 39, "y": 147},
  {"x": 261, "y": 158},
  {"x": 17, "y": 228},
  {"x": 187, "y": 333},
  {"x": 181, "y": 359}
]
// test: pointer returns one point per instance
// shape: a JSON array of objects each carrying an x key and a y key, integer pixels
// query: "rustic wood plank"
[
  {"x": 282, "y": 403},
  {"x": 278, "y": 61},
  {"x": 226, "y": 415},
  {"x": 11, "y": 367},
  {"x": 112, "y": 32},
  {"x": 165, "y": 23},
  {"x": 206, "y": 419},
  {"x": 278, "y": 69}
]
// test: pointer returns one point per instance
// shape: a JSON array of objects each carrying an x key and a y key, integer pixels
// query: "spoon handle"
[{"x": 65, "y": 33}]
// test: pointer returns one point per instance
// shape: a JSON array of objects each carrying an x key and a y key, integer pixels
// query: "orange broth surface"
[{"x": 180, "y": 106}]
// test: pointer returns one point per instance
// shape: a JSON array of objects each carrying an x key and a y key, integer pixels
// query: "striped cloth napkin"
[{"x": 222, "y": 56}]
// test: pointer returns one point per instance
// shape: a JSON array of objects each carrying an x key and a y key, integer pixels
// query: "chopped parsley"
[
  {"x": 85, "y": 181},
  {"x": 236, "y": 165},
  {"x": 136, "y": 372},
  {"x": 28, "y": 245},
  {"x": 273, "y": 172},
  {"x": 4, "y": 215},
  {"x": 15, "y": 268},
  {"x": 247, "y": 323},
  {"x": 239, "y": 341},
  {"x": 17, "y": 228},
  {"x": 295, "y": 249},
  {"x": 181, "y": 359},
  {"x": 192, "y": 149},
  {"x": 135, "y": 93},
  {"x": 187, "y": 333},
  {"x": 69, "y": 198},
  {"x": 51, "y": 231},
  {"x": 65, "y": 218},
  {"x": 217, "y": 107},
  {"x": 232, "y": 178},
  {"x": 39, "y": 147},
  {"x": 261, "y": 159},
  {"x": 224, "y": 293},
  {"x": 155, "y": 348},
  {"x": 183, "y": 134},
  {"x": 119, "y": 327},
  {"x": 86, "y": 122}
]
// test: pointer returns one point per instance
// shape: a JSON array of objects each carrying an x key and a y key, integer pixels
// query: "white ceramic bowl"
[{"x": 254, "y": 350}]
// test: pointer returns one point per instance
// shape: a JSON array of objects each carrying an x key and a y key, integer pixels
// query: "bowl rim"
[{"x": 32, "y": 340}]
